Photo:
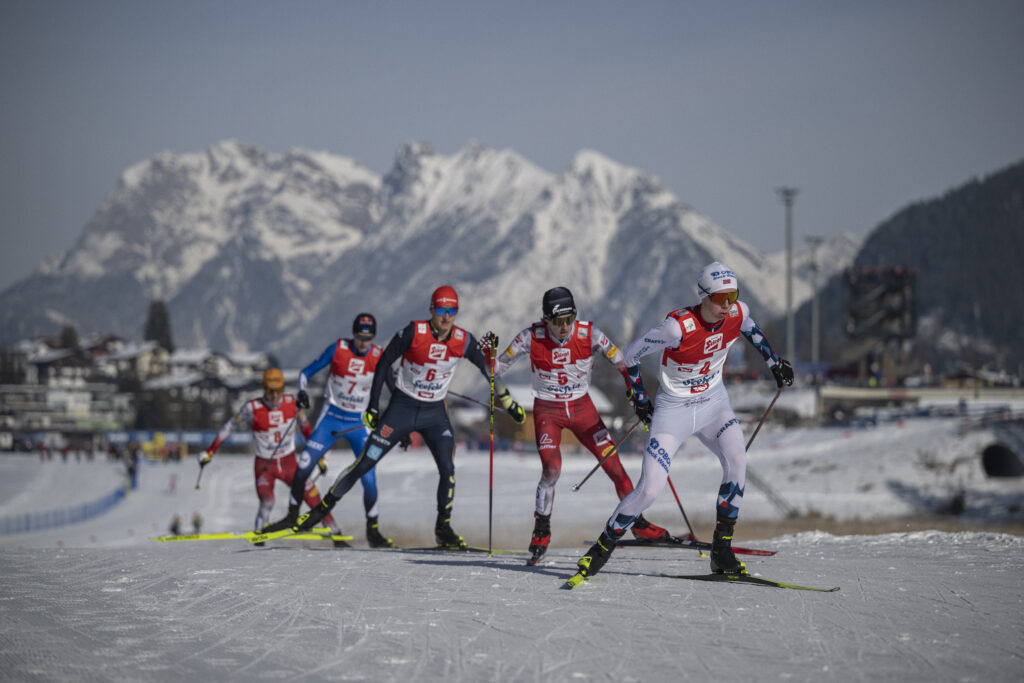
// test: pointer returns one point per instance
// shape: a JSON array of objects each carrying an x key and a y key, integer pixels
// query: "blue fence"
[{"x": 37, "y": 521}]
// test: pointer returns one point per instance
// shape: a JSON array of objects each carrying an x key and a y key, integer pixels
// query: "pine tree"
[{"x": 158, "y": 325}]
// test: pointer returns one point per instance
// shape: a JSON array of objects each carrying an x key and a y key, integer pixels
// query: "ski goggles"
[
  {"x": 722, "y": 298},
  {"x": 563, "y": 320},
  {"x": 364, "y": 337},
  {"x": 450, "y": 311}
]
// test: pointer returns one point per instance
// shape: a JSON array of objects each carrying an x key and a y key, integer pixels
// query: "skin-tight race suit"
[
  {"x": 346, "y": 396},
  {"x": 273, "y": 431},
  {"x": 561, "y": 373},
  {"x": 692, "y": 400},
  {"x": 417, "y": 405}
]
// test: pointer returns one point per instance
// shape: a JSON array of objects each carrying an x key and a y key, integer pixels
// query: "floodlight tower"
[{"x": 787, "y": 195}]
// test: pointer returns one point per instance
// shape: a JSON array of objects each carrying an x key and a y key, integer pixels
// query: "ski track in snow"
[{"x": 110, "y": 605}]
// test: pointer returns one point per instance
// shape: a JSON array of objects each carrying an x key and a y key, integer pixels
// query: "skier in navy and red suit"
[{"x": 428, "y": 351}]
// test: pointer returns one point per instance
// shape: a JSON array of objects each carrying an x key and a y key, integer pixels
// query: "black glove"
[
  {"x": 371, "y": 418},
  {"x": 783, "y": 373},
  {"x": 644, "y": 410},
  {"x": 405, "y": 442},
  {"x": 303, "y": 400},
  {"x": 489, "y": 341}
]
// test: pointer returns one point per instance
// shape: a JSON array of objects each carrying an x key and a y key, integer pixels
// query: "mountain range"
[{"x": 257, "y": 251}]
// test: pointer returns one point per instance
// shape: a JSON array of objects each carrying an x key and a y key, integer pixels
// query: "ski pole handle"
[{"x": 612, "y": 452}]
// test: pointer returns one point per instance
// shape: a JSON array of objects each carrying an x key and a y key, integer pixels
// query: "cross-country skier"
[
  {"x": 428, "y": 351},
  {"x": 692, "y": 399},
  {"x": 353, "y": 362},
  {"x": 561, "y": 349},
  {"x": 272, "y": 419}
]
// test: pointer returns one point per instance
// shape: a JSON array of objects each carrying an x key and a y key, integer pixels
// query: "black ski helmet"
[
  {"x": 365, "y": 324},
  {"x": 558, "y": 302}
]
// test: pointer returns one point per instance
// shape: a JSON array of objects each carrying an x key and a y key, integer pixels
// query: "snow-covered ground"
[{"x": 97, "y": 600}]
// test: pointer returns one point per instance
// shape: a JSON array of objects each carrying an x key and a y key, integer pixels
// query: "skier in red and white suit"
[
  {"x": 272, "y": 419},
  {"x": 561, "y": 350},
  {"x": 692, "y": 400}
]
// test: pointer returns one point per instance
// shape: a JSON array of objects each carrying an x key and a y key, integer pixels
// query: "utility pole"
[
  {"x": 787, "y": 195},
  {"x": 815, "y": 242}
]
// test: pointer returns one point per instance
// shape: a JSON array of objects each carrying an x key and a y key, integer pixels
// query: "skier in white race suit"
[{"x": 692, "y": 400}]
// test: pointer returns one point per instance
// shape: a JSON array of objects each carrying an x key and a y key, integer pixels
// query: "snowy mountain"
[{"x": 252, "y": 250}]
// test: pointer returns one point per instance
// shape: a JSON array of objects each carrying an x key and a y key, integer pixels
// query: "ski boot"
[
  {"x": 446, "y": 536},
  {"x": 598, "y": 554},
  {"x": 541, "y": 537},
  {"x": 339, "y": 543},
  {"x": 316, "y": 514},
  {"x": 645, "y": 531},
  {"x": 287, "y": 522},
  {"x": 374, "y": 537},
  {"x": 723, "y": 560}
]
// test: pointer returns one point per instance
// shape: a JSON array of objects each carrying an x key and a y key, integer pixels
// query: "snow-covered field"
[{"x": 97, "y": 600}]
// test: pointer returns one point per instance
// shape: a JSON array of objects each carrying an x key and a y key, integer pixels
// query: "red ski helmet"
[{"x": 444, "y": 297}]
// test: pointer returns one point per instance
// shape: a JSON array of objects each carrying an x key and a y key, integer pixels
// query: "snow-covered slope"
[
  {"x": 917, "y": 605},
  {"x": 278, "y": 252}
]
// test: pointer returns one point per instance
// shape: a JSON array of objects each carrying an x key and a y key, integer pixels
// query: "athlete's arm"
[
  {"x": 321, "y": 362},
  {"x": 756, "y": 337},
  {"x": 601, "y": 342},
  {"x": 519, "y": 346},
  {"x": 398, "y": 345}
]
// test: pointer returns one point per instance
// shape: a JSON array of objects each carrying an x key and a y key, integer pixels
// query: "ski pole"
[
  {"x": 492, "y": 348},
  {"x": 201, "y": 466},
  {"x": 346, "y": 431},
  {"x": 469, "y": 398},
  {"x": 763, "y": 418},
  {"x": 613, "y": 451},
  {"x": 760, "y": 483},
  {"x": 680, "y": 504}
]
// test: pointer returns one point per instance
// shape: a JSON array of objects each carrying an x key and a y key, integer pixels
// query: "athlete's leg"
[
  {"x": 548, "y": 420},
  {"x": 438, "y": 437},
  {"x": 723, "y": 436},
  {"x": 357, "y": 440},
  {"x": 671, "y": 425},
  {"x": 317, "y": 445},
  {"x": 587, "y": 426},
  {"x": 264, "y": 479}
]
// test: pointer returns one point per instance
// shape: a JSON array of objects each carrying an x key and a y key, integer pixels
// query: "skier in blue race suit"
[{"x": 352, "y": 363}]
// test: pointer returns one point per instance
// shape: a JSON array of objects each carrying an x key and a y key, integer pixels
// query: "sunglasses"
[
  {"x": 722, "y": 298},
  {"x": 364, "y": 337},
  {"x": 451, "y": 311},
  {"x": 562, "y": 321}
]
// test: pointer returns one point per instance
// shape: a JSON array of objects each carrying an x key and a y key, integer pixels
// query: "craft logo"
[
  {"x": 437, "y": 352},
  {"x": 561, "y": 356},
  {"x": 713, "y": 343}
]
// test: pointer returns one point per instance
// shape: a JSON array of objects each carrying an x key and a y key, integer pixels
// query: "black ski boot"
[
  {"x": 286, "y": 523},
  {"x": 541, "y": 537},
  {"x": 374, "y": 537},
  {"x": 723, "y": 560},
  {"x": 598, "y": 554},
  {"x": 446, "y": 536},
  {"x": 316, "y": 515}
]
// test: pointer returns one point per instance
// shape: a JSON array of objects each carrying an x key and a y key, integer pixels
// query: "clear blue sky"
[{"x": 864, "y": 105}]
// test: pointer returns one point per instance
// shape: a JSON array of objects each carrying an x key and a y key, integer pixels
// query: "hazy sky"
[{"x": 864, "y": 105}]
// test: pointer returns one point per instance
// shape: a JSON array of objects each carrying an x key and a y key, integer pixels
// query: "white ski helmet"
[{"x": 715, "y": 277}]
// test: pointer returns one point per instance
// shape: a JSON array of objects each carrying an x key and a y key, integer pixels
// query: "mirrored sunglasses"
[
  {"x": 563, "y": 320},
  {"x": 722, "y": 298},
  {"x": 451, "y": 311}
]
